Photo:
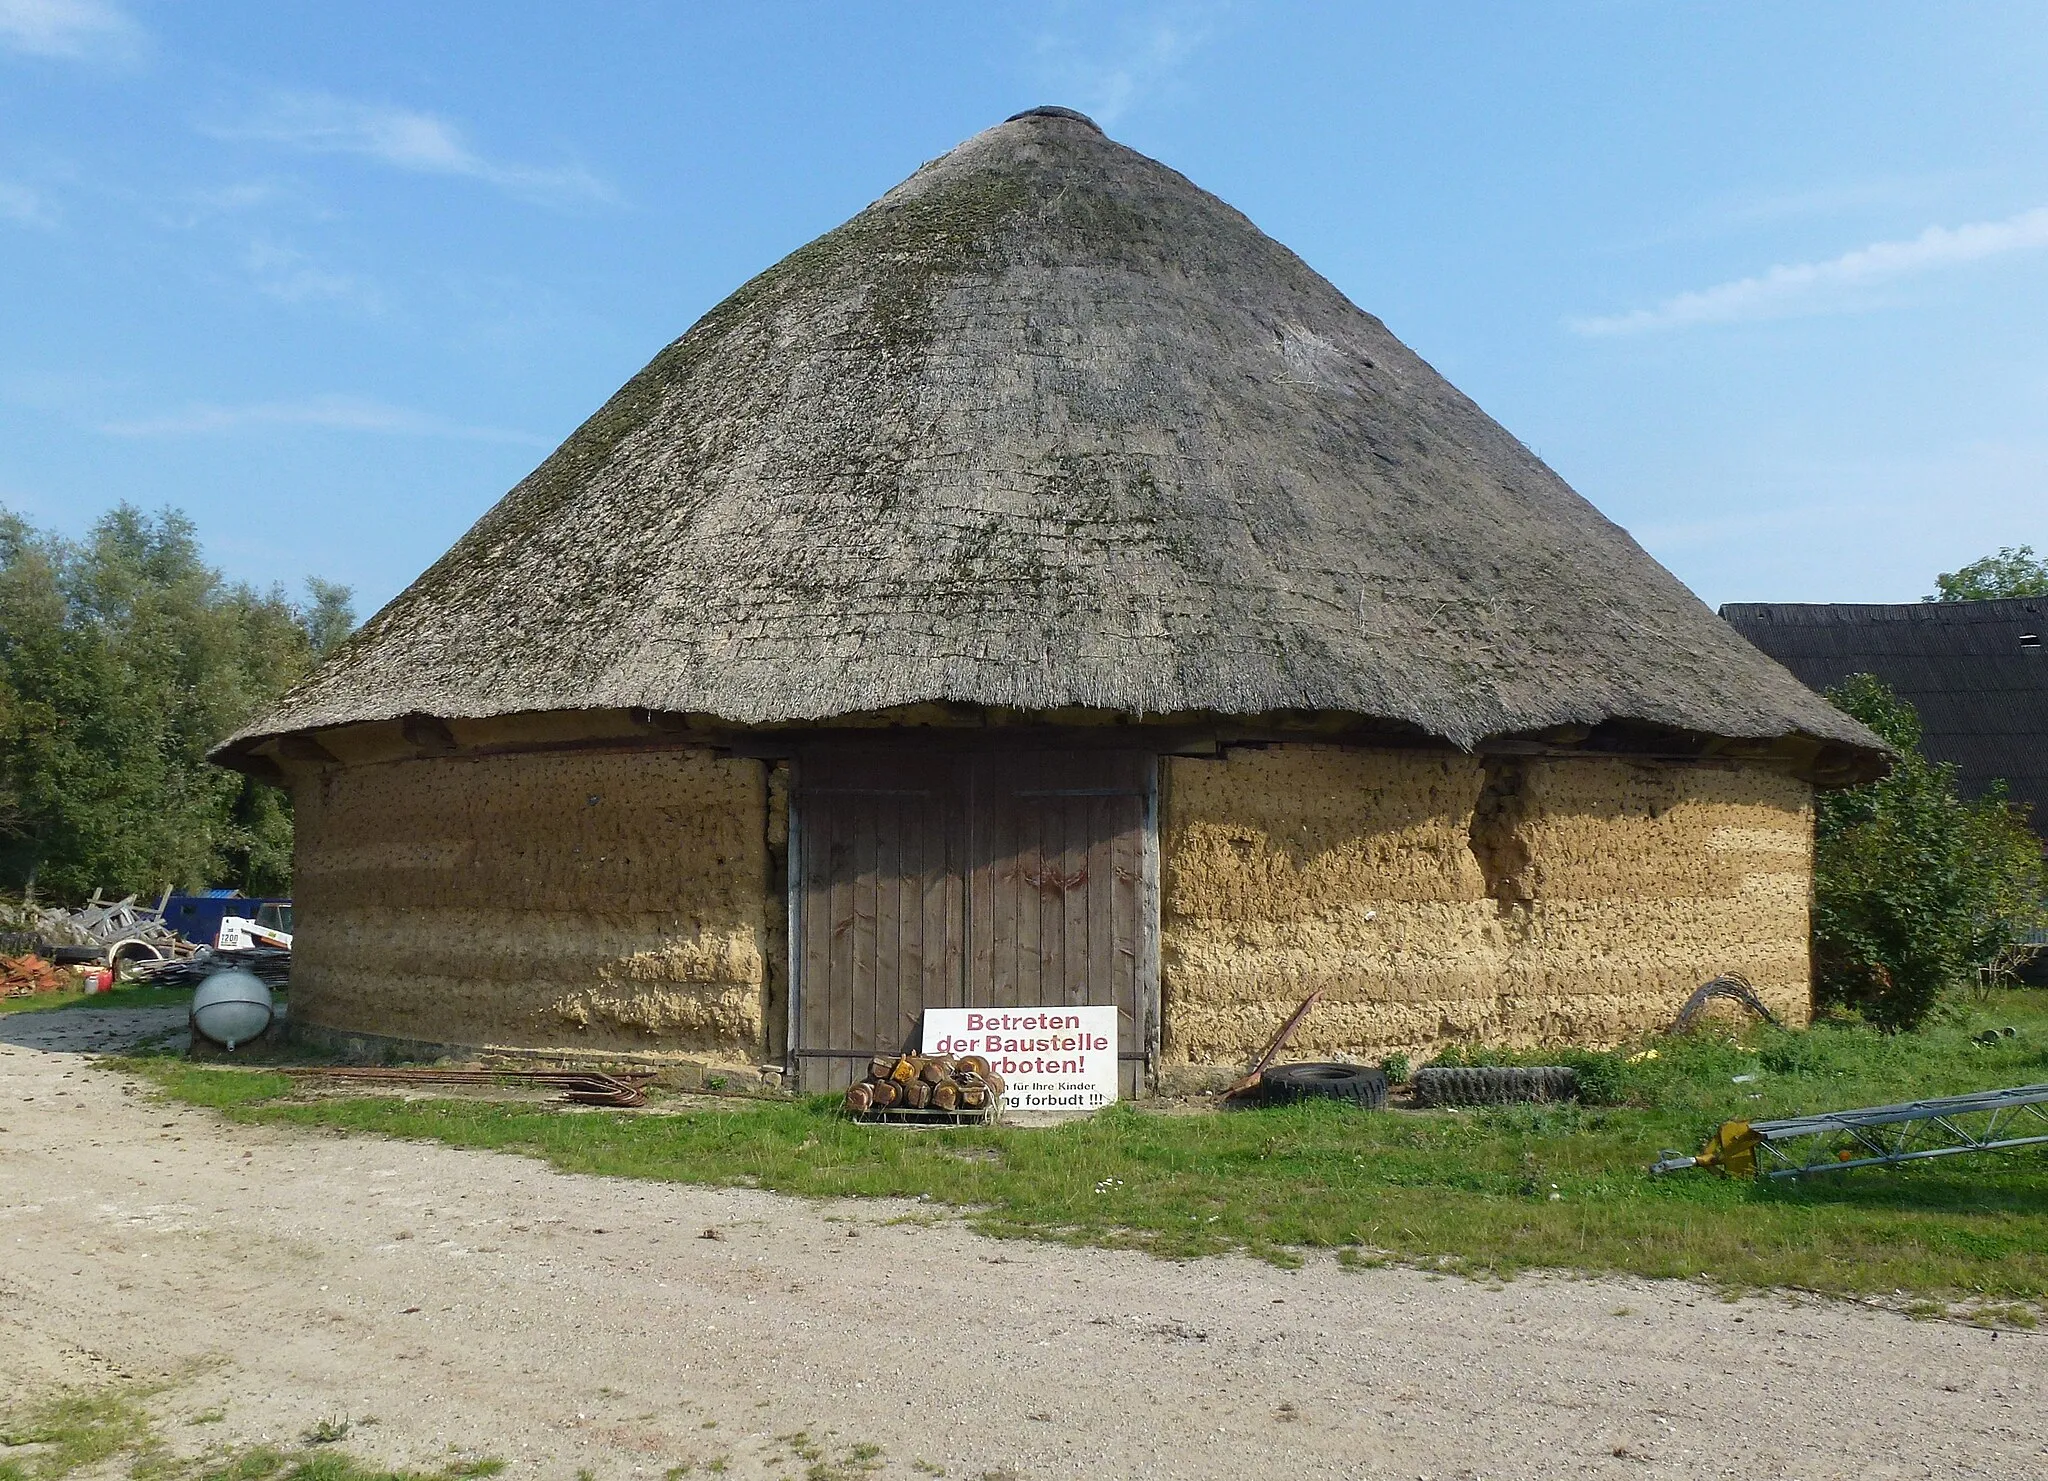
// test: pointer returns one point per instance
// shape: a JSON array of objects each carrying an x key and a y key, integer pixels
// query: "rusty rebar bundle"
[{"x": 583, "y": 1087}]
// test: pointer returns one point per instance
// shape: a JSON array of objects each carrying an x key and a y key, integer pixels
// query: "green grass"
[
  {"x": 88, "y": 1431},
  {"x": 75, "y": 1431},
  {"x": 1493, "y": 1191},
  {"x": 124, "y": 995}
]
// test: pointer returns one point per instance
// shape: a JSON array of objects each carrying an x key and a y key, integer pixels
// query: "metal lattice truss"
[{"x": 1875, "y": 1136}]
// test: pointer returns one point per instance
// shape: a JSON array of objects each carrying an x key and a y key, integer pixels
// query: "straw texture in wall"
[
  {"x": 575, "y": 900},
  {"x": 1443, "y": 897}
]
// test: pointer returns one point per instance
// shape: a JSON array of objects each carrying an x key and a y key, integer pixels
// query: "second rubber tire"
[{"x": 1493, "y": 1085}]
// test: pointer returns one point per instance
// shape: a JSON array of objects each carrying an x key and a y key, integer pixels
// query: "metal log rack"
[
  {"x": 986, "y": 1115},
  {"x": 1875, "y": 1136}
]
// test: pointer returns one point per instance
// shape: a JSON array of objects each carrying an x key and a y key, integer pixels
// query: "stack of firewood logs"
[{"x": 919, "y": 1082}]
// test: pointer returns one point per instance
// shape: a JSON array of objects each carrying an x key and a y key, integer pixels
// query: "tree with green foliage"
[
  {"x": 2014, "y": 572},
  {"x": 123, "y": 658},
  {"x": 1914, "y": 886}
]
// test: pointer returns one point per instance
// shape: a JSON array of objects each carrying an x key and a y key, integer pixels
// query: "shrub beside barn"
[{"x": 1042, "y": 589}]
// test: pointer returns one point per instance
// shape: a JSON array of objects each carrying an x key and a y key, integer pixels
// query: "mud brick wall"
[
  {"x": 579, "y": 901},
  {"x": 1440, "y": 897}
]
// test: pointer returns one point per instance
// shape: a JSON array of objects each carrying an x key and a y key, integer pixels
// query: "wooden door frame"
[
  {"x": 793, "y": 928},
  {"x": 1148, "y": 994},
  {"x": 1148, "y": 919}
]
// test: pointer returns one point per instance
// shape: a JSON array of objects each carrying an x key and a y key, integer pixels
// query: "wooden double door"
[{"x": 979, "y": 880}]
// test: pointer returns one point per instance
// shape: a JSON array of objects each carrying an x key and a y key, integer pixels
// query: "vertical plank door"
[
  {"x": 1059, "y": 849},
  {"x": 995, "y": 880},
  {"x": 879, "y": 859}
]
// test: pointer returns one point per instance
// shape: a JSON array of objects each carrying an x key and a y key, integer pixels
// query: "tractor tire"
[
  {"x": 1494, "y": 1085},
  {"x": 1356, "y": 1084}
]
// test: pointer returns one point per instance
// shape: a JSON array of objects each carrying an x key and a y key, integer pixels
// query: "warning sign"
[{"x": 1053, "y": 1059}]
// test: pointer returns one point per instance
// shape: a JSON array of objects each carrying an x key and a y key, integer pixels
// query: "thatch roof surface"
[{"x": 1049, "y": 426}]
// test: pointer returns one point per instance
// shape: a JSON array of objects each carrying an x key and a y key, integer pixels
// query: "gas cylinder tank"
[{"x": 231, "y": 1007}]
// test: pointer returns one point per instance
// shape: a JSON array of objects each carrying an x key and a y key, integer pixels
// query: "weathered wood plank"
[
  {"x": 889, "y": 809},
  {"x": 839, "y": 991},
  {"x": 998, "y": 812},
  {"x": 1076, "y": 983},
  {"x": 982, "y": 890},
  {"x": 861, "y": 1029},
  {"x": 1033, "y": 875},
  {"x": 1102, "y": 976},
  {"x": 815, "y": 982},
  {"x": 915, "y": 823}
]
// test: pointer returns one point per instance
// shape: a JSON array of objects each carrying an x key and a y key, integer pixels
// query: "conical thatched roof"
[{"x": 1048, "y": 426}]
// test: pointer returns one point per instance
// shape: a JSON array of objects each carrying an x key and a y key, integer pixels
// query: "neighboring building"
[
  {"x": 1042, "y": 589},
  {"x": 1976, "y": 671}
]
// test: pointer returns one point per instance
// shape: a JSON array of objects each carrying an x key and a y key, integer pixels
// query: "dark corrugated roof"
[{"x": 1980, "y": 686}]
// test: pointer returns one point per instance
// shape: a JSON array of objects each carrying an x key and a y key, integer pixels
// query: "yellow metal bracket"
[{"x": 1732, "y": 1149}]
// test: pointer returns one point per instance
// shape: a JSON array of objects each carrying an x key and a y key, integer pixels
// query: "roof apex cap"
[{"x": 1051, "y": 110}]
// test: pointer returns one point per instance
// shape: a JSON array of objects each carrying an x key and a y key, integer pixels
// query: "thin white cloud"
[
  {"x": 289, "y": 275},
  {"x": 1106, "y": 76},
  {"x": 265, "y": 198},
  {"x": 187, "y": 209},
  {"x": 73, "y": 30},
  {"x": 1718, "y": 216},
  {"x": 1808, "y": 287},
  {"x": 335, "y": 412},
  {"x": 24, "y": 207},
  {"x": 1889, "y": 192},
  {"x": 403, "y": 138}
]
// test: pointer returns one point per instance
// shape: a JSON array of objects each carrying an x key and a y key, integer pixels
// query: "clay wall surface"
[
  {"x": 584, "y": 901},
  {"x": 1441, "y": 897},
  {"x": 632, "y": 902}
]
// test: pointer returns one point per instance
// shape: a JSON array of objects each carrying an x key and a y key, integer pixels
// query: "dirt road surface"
[{"x": 483, "y": 1304}]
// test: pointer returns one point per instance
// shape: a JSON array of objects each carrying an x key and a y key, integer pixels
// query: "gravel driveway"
[{"x": 568, "y": 1323}]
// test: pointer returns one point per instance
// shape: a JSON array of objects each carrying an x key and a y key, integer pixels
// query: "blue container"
[{"x": 197, "y": 917}]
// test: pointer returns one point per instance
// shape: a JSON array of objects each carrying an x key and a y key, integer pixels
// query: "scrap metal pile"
[
  {"x": 111, "y": 932},
  {"x": 272, "y": 965},
  {"x": 934, "y": 1087},
  {"x": 139, "y": 945}
]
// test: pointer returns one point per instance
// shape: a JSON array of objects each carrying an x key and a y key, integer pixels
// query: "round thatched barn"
[{"x": 1043, "y": 589}]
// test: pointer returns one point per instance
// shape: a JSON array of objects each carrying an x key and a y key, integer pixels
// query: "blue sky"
[{"x": 1767, "y": 283}]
